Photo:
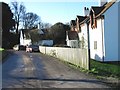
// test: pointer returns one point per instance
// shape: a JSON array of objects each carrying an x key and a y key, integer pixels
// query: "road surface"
[{"x": 35, "y": 70}]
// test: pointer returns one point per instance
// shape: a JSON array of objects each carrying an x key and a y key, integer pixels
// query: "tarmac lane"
[{"x": 36, "y": 70}]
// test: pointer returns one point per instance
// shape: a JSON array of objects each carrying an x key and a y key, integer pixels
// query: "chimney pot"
[
  {"x": 86, "y": 11},
  {"x": 102, "y": 2}
]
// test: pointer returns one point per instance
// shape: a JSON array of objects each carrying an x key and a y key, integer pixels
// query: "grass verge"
[
  {"x": 105, "y": 69},
  {"x": 108, "y": 73},
  {"x": 100, "y": 69}
]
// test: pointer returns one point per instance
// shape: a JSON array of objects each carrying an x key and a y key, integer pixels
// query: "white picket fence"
[{"x": 75, "y": 56}]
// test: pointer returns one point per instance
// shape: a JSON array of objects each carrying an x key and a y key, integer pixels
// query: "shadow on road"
[{"x": 59, "y": 79}]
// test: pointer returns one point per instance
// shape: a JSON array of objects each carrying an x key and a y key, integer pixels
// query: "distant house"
[
  {"x": 73, "y": 25},
  {"x": 103, "y": 30},
  {"x": 72, "y": 39},
  {"x": 78, "y": 20},
  {"x": 25, "y": 38},
  {"x": 72, "y": 35}
]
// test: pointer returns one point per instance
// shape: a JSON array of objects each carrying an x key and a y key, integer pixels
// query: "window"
[{"x": 95, "y": 44}]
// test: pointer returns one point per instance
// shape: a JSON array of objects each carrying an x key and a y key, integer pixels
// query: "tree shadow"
[{"x": 94, "y": 81}]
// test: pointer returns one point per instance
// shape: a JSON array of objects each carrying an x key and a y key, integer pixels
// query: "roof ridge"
[{"x": 107, "y": 6}]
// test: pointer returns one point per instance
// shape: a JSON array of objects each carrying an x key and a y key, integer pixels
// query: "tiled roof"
[
  {"x": 81, "y": 18},
  {"x": 73, "y": 35},
  {"x": 87, "y": 18},
  {"x": 73, "y": 22},
  {"x": 97, "y": 10},
  {"x": 100, "y": 10},
  {"x": 107, "y": 6}
]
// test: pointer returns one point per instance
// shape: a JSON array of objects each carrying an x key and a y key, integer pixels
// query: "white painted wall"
[
  {"x": 96, "y": 35},
  {"x": 21, "y": 38},
  {"x": 83, "y": 33},
  {"x": 111, "y": 33},
  {"x": 106, "y": 34},
  {"x": 73, "y": 43},
  {"x": 27, "y": 42},
  {"x": 24, "y": 41}
]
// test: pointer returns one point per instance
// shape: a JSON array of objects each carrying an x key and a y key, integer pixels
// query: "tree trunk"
[{"x": 17, "y": 28}]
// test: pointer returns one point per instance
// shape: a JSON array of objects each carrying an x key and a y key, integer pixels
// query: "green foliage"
[
  {"x": 35, "y": 36},
  {"x": 93, "y": 70},
  {"x": 7, "y": 24},
  {"x": 4, "y": 54},
  {"x": 58, "y": 32},
  {"x": 1, "y": 49}
]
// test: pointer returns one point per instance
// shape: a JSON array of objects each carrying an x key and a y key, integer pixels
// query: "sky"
[{"x": 53, "y": 11}]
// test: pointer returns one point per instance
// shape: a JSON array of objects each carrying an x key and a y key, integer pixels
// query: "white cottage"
[
  {"x": 23, "y": 40},
  {"x": 104, "y": 31}
]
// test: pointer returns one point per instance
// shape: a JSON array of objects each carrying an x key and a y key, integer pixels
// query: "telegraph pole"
[
  {"x": 88, "y": 41},
  {"x": 88, "y": 37}
]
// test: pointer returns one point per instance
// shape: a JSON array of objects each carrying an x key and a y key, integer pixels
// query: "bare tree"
[
  {"x": 31, "y": 20},
  {"x": 18, "y": 10},
  {"x": 46, "y": 25}
]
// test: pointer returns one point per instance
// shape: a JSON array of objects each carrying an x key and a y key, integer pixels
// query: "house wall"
[
  {"x": 111, "y": 33},
  {"x": 119, "y": 31},
  {"x": 73, "y": 43},
  {"x": 24, "y": 41},
  {"x": 107, "y": 35},
  {"x": 27, "y": 42},
  {"x": 96, "y": 36},
  {"x": 82, "y": 34}
]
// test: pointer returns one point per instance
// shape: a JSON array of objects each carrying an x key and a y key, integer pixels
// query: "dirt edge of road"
[{"x": 112, "y": 82}]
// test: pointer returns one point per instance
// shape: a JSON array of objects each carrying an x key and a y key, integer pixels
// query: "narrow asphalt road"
[{"x": 35, "y": 70}]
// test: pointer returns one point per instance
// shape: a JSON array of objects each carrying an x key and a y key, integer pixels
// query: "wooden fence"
[{"x": 75, "y": 56}]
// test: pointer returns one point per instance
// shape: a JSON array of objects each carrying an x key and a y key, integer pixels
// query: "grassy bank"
[
  {"x": 105, "y": 69},
  {"x": 101, "y": 70}
]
